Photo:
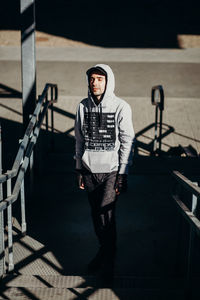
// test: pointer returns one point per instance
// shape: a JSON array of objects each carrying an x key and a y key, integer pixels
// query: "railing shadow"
[
  {"x": 149, "y": 147},
  {"x": 8, "y": 92},
  {"x": 168, "y": 129}
]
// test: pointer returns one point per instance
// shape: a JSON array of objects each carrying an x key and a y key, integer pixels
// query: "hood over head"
[{"x": 110, "y": 79}]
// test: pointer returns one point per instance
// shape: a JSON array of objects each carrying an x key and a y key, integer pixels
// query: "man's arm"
[
  {"x": 79, "y": 148},
  {"x": 126, "y": 137}
]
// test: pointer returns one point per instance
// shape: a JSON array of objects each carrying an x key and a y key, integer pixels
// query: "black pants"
[{"x": 102, "y": 198}]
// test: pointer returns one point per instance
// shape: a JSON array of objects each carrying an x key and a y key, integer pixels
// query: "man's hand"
[
  {"x": 79, "y": 180},
  {"x": 121, "y": 184}
]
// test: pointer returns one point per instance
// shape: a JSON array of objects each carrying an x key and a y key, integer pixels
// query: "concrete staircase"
[
  {"x": 60, "y": 241},
  {"x": 42, "y": 272}
]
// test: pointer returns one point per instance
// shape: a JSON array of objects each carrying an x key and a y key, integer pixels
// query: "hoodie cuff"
[
  {"x": 123, "y": 169},
  {"x": 79, "y": 163}
]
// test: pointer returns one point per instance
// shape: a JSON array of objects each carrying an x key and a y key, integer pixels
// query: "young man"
[{"x": 104, "y": 140}]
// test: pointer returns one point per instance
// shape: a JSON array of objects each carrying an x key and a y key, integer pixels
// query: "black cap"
[{"x": 94, "y": 69}]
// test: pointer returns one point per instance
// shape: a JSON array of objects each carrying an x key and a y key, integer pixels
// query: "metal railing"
[
  {"x": 15, "y": 176},
  {"x": 189, "y": 215}
]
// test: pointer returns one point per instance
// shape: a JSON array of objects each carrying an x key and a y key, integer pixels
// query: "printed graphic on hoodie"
[{"x": 99, "y": 131}]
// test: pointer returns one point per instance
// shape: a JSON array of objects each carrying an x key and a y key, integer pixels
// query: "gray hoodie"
[{"x": 104, "y": 132}]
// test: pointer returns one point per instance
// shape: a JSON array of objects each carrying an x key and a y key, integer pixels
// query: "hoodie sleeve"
[
  {"x": 126, "y": 137},
  {"x": 79, "y": 148}
]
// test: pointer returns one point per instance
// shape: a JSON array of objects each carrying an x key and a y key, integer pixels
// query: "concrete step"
[{"x": 22, "y": 293}]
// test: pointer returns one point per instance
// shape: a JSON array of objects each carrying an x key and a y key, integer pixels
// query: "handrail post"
[
  {"x": 10, "y": 238},
  {"x": 36, "y": 152},
  {"x": 2, "y": 249},
  {"x": 155, "y": 142},
  {"x": 157, "y": 99},
  {"x": 23, "y": 214},
  {"x": 47, "y": 114},
  {"x": 31, "y": 166},
  {"x": 160, "y": 130},
  {"x": 47, "y": 119},
  {"x": 2, "y": 245},
  {"x": 52, "y": 120}
]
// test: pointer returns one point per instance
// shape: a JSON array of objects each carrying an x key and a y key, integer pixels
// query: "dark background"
[{"x": 144, "y": 23}]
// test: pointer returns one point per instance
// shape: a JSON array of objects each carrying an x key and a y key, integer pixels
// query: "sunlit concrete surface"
[{"x": 189, "y": 55}]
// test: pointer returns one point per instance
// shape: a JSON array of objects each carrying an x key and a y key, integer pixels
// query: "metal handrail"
[
  {"x": 188, "y": 184},
  {"x": 24, "y": 158},
  {"x": 24, "y": 142},
  {"x": 189, "y": 215}
]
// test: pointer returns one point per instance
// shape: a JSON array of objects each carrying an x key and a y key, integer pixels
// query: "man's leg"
[
  {"x": 104, "y": 225},
  {"x": 102, "y": 198},
  {"x": 93, "y": 188},
  {"x": 108, "y": 226},
  {"x": 107, "y": 213}
]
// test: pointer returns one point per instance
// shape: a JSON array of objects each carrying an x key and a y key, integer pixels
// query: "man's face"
[{"x": 97, "y": 84}]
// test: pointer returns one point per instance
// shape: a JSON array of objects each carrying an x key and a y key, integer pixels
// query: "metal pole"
[
  {"x": 47, "y": 115},
  {"x": 36, "y": 150},
  {"x": 23, "y": 225},
  {"x": 161, "y": 107},
  {"x": 156, "y": 129},
  {"x": 2, "y": 250},
  {"x": 28, "y": 59},
  {"x": 31, "y": 171},
  {"x": 47, "y": 122},
  {"x": 2, "y": 245},
  {"x": 10, "y": 239},
  {"x": 160, "y": 132},
  {"x": 52, "y": 121}
]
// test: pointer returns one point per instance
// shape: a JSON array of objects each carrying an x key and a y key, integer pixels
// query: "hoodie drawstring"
[{"x": 100, "y": 115}]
